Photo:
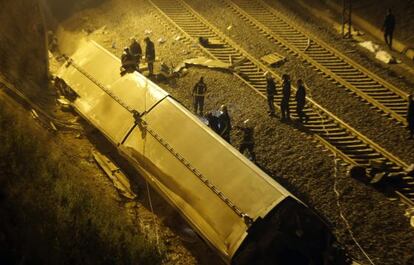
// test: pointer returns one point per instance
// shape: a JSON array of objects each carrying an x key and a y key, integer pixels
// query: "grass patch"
[{"x": 51, "y": 213}]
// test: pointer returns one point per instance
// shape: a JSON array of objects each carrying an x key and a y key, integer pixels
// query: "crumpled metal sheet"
[{"x": 203, "y": 61}]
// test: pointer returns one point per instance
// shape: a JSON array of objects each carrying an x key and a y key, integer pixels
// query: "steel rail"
[
  {"x": 350, "y": 145},
  {"x": 329, "y": 61}
]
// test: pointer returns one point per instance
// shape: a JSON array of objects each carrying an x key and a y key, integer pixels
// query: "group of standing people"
[
  {"x": 221, "y": 123},
  {"x": 300, "y": 97},
  {"x": 132, "y": 55}
]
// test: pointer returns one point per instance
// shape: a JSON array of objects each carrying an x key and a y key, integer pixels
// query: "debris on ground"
[
  {"x": 161, "y": 40},
  {"x": 52, "y": 125},
  {"x": 117, "y": 177},
  {"x": 203, "y": 61},
  {"x": 380, "y": 55},
  {"x": 64, "y": 103},
  {"x": 410, "y": 214},
  {"x": 385, "y": 57},
  {"x": 101, "y": 30},
  {"x": 370, "y": 46},
  {"x": 308, "y": 44},
  {"x": 34, "y": 114},
  {"x": 273, "y": 59},
  {"x": 188, "y": 235},
  {"x": 209, "y": 63},
  {"x": 147, "y": 32},
  {"x": 52, "y": 41},
  {"x": 210, "y": 42}
]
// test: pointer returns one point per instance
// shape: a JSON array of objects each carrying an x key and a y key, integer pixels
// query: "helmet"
[
  {"x": 246, "y": 122},
  {"x": 223, "y": 108}
]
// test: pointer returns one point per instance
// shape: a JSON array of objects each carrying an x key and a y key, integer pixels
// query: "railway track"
[
  {"x": 348, "y": 144},
  {"x": 327, "y": 60}
]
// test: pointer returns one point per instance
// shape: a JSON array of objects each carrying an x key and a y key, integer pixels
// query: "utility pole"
[{"x": 346, "y": 18}]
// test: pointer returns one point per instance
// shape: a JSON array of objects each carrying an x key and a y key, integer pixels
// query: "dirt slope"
[{"x": 22, "y": 46}]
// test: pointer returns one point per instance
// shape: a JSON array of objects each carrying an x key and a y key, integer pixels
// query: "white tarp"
[{"x": 380, "y": 54}]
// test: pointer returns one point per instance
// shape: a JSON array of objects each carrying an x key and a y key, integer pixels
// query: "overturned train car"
[{"x": 242, "y": 213}]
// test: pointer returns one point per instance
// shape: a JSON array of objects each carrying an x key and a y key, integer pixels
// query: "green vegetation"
[{"x": 51, "y": 212}]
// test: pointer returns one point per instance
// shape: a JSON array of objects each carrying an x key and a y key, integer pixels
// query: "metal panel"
[
  {"x": 98, "y": 62},
  {"x": 174, "y": 144},
  {"x": 199, "y": 205},
  {"x": 97, "y": 106},
  {"x": 238, "y": 179},
  {"x": 230, "y": 171},
  {"x": 138, "y": 92},
  {"x": 94, "y": 75}
]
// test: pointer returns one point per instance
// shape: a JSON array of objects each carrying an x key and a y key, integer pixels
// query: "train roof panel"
[
  {"x": 237, "y": 179},
  {"x": 203, "y": 176},
  {"x": 105, "y": 97}
]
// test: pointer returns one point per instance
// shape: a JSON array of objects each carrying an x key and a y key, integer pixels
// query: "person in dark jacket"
[
  {"x": 213, "y": 122},
  {"x": 199, "y": 92},
  {"x": 136, "y": 52},
  {"x": 224, "y": 123},
  {"x": 301, "y": 101},
  {"x": 248, "y": 139},
  {"x": 388, "y": 28},
  {"x": 128, "y": 62},
  {"x": 271, "y": 92},
  {"x": 286, "y": 90},
  {"x": 150, "y": 55},
  {"x": 410, "y": 116}
]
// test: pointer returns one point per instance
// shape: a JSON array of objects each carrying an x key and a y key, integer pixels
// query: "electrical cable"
[
  {"x": 146, "y": 182},
  {"x": 338, "y": 202}
]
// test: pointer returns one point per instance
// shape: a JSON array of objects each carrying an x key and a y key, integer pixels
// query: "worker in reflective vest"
[{"x": 199, "y": 92}]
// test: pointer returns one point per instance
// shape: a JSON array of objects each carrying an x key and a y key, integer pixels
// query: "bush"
[{"x": 52, "y": 212}]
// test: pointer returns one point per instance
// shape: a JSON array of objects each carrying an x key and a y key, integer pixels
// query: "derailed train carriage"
[{"x": 242, "y": 213}]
